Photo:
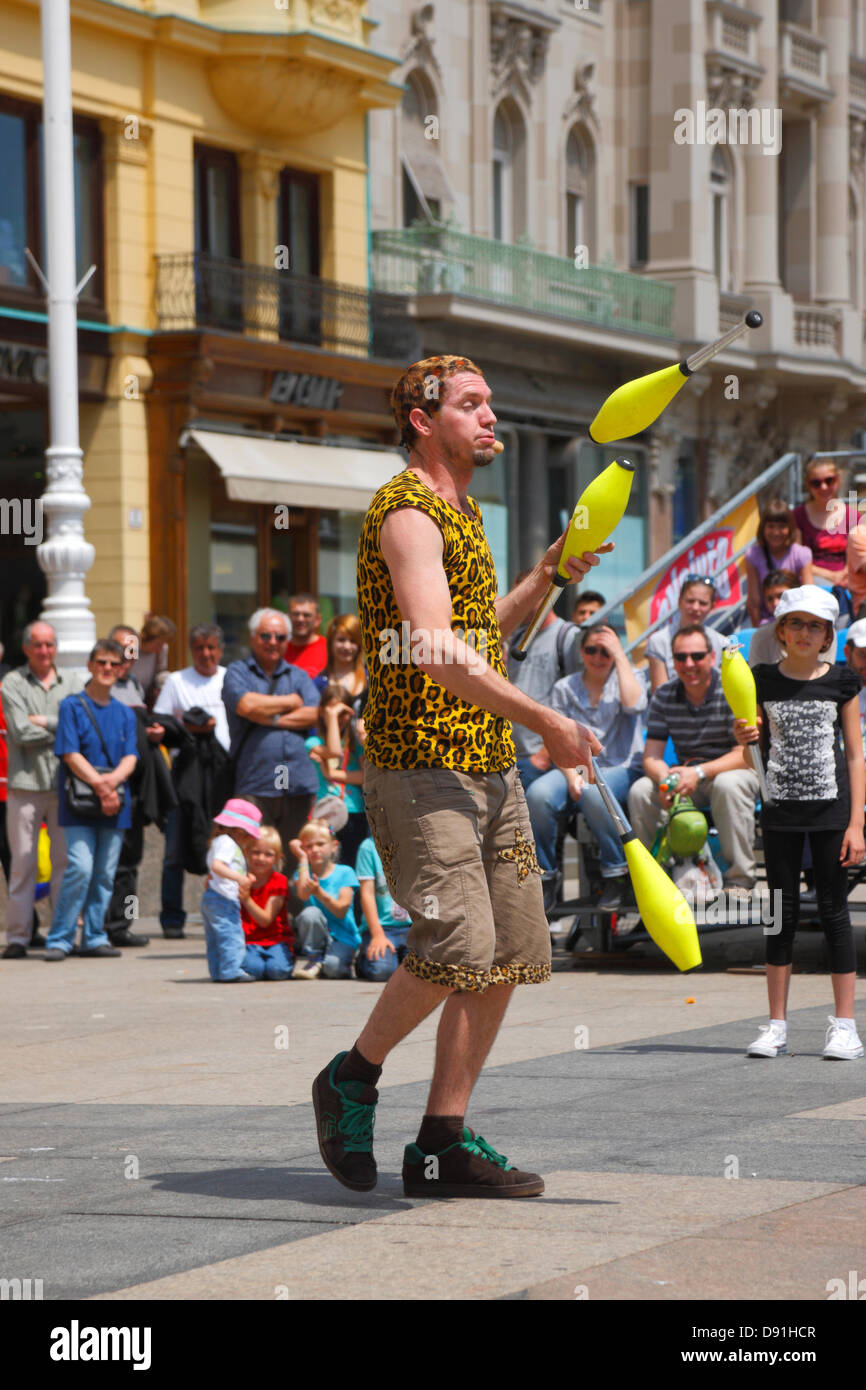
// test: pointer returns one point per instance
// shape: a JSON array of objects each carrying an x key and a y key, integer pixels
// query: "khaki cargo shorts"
[{"x": 459, "y": 855}]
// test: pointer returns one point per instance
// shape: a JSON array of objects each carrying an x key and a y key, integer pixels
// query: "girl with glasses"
[
  {"x": 776, "y": 548},
  {"x": 824, "y": 523},
  {"x": 809, "y": 731}
]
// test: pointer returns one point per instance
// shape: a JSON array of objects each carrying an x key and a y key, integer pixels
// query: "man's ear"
[{"x": 421, "y": 421}]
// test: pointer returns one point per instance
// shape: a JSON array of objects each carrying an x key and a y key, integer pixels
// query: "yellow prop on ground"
[
  {"x": 597, "y": 514},
  {"x": 634, "y": 406}
]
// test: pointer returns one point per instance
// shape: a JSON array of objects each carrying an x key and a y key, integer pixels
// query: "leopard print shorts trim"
[{"x": 463, "y": 978}]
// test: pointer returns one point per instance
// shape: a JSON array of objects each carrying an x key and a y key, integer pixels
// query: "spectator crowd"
[{"x": 253, "y": 771}]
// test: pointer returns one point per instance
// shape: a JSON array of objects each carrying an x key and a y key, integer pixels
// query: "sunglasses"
[
  {"x": 698, "y": 579},
  {"x": 824, "y": 482},
  {"x": 272, "y": 636},
  {"x": 111, "y": 665},
  {"x": 682, "y": 658},
  {"x": 596, "y": 651}
]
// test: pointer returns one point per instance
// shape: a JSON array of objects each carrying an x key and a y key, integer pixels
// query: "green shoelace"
[
  {"x": 481, "y": 1149},
  {"x": 356, "y": 1126}
]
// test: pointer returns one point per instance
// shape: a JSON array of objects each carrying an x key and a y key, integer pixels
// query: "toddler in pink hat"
[{"x": 238, "y": 823}]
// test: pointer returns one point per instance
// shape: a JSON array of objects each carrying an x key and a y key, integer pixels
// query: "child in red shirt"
[{"x": 270, "y": 941}]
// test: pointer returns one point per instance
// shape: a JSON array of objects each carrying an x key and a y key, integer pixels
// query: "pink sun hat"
[{"x": 243, "y": 815}]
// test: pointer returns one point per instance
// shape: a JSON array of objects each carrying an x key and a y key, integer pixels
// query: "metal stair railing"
[{"x": 785, "y": 464}]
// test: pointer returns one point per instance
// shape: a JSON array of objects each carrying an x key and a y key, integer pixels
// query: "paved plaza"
[{"x": 158, "y": 1138}]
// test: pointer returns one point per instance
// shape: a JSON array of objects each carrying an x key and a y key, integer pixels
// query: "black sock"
[
  {"x": 355, "y": 1067},
  {"x": 437, "y": 1132}
]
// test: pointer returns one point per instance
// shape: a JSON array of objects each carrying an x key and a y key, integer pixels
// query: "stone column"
[
  {"x": 260, "y": 186},
  {"x": 761, "y": 250},
  {"x": 831, "y": 164},
  {"x": 532, "y": 490},
  {"x": 663, "y": 453}
]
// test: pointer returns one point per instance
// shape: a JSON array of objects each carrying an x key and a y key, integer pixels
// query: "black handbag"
[{"x": 81, "y": 799}]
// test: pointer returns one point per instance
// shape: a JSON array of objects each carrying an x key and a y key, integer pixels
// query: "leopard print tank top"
[{"x": 411, "y": 720}]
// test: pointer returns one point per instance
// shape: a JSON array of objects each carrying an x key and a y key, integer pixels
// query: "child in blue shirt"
[
  {"x": 326, "y": 932},
  {"x": 386, "y": 924}
]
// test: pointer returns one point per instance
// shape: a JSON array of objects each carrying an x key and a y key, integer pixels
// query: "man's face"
[
  {"x": 305, "y": 619},
  {"x": 106, "y": 668},
  {"x": 463, "y": 427},
  {"x": 41, "y": 649},
  {"x": 696, "y": 600},
  {"x": 206, "y": 654},
  {"x": 584, "y": 610},
  {"x": 693, "y": 660},
  {"x": 269, "y": 643},
  {"x": 856, "y": 658}
]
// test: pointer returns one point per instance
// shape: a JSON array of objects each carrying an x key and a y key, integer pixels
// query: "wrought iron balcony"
[
  {"x": 438, "y": 260},
  {"x": 201, "y": 291}
]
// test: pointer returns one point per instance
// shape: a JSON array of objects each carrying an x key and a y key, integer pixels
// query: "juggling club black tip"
[{"x": 754, "y": 318}]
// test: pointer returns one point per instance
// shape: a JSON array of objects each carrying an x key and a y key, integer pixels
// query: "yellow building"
[{"x": 221, "y": 191}]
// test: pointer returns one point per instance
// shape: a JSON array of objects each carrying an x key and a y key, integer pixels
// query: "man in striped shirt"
[{"x": 692, "y": 711}]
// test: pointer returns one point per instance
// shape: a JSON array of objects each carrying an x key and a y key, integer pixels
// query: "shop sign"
[
  {"x": 19, "y": 363},
  {"x": 314, "y": 392}
]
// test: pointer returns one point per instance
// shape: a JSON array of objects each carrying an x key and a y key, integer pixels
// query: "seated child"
[
  {"x": 263, "y": 911},
  {"x": 227, "y": 874},
  {"x": 386, "y": 925},
  {"x": 327, "y": 933}
]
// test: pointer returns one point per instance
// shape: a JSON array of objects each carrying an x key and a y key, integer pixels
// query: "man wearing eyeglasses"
[
  {"x": 692, "y": 711},
  {"x": 270, "y": 705},
  {"x": 31, "y": 700},
  {"x": 696, "y": 598}
]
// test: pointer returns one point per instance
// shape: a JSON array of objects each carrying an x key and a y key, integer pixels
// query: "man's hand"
[
  {"x": 541, "y": 760},
  {"x": 666, "y": 798},
  {"x": 40, "y": 720},
  {"x": 570, "y": 744},
  {"x": 688, "y": 782},
  {"x": 378, "y": 947},
  {"x": 205, "y": 728},
  {"x": 110, "y": 803},
  {"x": 575, "y": 783},
  {"x": 156, "y": 733},
  {"x": 577, "y": 566},
  {"x": 102, "y": 786}
]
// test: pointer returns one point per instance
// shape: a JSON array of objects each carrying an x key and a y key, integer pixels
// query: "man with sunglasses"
[
  {"x": 31, "y": 700},
  {"x": 692, "y": 711},
  {"x": 270, "y": 705},
  {"x": 694, "y": 605}
]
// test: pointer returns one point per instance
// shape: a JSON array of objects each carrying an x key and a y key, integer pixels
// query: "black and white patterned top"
[{"x": 801, "y": 743}]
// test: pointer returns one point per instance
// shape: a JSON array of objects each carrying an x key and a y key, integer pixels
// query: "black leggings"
[{"x": 783, "y": 855}]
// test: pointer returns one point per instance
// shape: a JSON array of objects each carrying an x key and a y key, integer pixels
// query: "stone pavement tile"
[
  {"x": 845, "y": 1110},
  {"x": 487, "y": 1249},
  {"x": 789, "y": 1254}
]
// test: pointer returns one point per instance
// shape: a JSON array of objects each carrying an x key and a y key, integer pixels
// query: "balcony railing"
[
  {"x": 438, "y": 260},
  {"x": 819, "y": 330},
  {"x": 203, "y": 291}
]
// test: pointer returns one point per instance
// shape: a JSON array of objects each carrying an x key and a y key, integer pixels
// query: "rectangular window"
[
  {"x": 639, "y": 224},
  {"x": 22, "y": 205},
  {"x": 574, "y": 234},
  {"x": 299, "y": 220},
  {"x": 217, "y": 199}
]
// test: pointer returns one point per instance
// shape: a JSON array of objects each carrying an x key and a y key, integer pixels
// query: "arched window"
[
  {"x": 579, "y": 193},
  {"x": 425, "y": 190},
  {"x": 509, "y": 174},
  {"x": 721, "y": 190}
]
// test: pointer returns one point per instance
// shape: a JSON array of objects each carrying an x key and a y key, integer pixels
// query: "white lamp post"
[{"x": 65, "y": 556}]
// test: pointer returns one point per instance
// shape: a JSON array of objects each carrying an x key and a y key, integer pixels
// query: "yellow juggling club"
[
  {"x": 633, "y": 406},
  {"x": 738, "y": 683},
  {"x": 597, "y": 514},
  {"x": 664, "y": 911}
]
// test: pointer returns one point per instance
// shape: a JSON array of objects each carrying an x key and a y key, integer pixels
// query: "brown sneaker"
[{"x": 471, "y": 1168}]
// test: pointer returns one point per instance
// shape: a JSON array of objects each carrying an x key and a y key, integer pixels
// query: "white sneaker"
[
  {"x": 842, "y": 1043},
  {"x": 307, "y": 968},
  {"x": 770, "y": 1041}
]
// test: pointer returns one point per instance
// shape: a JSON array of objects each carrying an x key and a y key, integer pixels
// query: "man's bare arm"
[{"x": 411, "y": 545}]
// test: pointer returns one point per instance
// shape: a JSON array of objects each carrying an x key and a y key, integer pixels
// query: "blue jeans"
[
  {"x": 383, "y": 968},
  {"x": 172, "y": 914},
  {"x": 268, "y": 962},
  {"x": 92, "y": 852},
  {"x": 528, "y": 772},
  {"x": 313, "y": 938},
  {"x": 548, "y": 796},
  {"x": 224, "y": 936}
]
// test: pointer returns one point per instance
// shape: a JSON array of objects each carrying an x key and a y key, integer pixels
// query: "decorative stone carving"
[
  {"x": 519, "y": 39},
  {"x": 419, "y": 49},
  {"x": 581, "y": 104},
  {"x": 663, "y": 449},
  {"x": 729, "y": 87},
  {"x": 336, "y": 14},
  {"x": 283, "y": 96}
]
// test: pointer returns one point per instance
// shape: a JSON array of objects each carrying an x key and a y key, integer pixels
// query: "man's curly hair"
[{"x": 423, "y": 386}]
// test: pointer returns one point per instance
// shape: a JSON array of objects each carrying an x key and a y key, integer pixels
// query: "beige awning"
[{"x": 300, "y": 475}]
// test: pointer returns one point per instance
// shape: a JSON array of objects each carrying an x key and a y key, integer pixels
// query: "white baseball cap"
[
  {"x": 809, "y": 598},
  {"x": 856, "y": 633}
]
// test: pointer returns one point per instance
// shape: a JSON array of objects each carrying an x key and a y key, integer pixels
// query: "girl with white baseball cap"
[{"x": 817, "y": 788}]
